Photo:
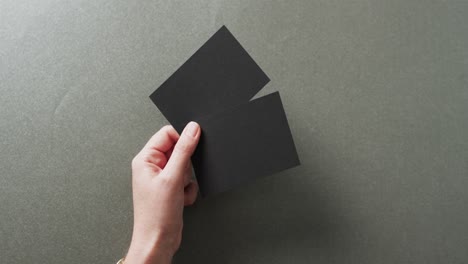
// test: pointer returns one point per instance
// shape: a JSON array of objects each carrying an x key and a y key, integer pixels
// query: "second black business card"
[{"x": 244, "y": 143}]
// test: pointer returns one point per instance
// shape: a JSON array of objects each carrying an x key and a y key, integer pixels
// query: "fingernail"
[{"x": 192, "y": 129}]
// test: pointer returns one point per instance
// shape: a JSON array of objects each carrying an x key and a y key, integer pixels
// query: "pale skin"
[{"x": 162, "y": 186}]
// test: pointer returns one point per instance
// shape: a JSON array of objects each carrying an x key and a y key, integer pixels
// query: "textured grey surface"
[{"x": 376, "y": 95}]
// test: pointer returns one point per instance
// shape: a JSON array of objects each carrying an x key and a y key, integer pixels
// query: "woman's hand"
[{"x": 162, "y": 186}]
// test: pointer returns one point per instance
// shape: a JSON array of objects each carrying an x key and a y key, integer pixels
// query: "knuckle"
[
  {"x": 190, "y": 199},
  {"x": 136, "y": 161},
  {"x": 166, "y": 128},
  {"x": 166, "y": 179}
]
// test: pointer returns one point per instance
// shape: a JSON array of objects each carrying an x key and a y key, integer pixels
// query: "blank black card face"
[
  {"x": 221, "y": 74},
  {"x": 243, "y": 143}
]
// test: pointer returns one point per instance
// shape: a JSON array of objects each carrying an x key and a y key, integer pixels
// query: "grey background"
[{"x": 376, "y": 96}]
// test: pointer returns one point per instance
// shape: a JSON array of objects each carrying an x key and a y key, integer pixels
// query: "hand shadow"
[{"x": 290, "y": 217}]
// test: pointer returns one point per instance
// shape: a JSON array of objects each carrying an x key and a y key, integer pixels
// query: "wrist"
[{"x": 148, "y": 251}]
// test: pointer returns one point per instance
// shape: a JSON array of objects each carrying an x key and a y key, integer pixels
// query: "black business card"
[
  {"x": 247, "y": 142},
  {"x": 220, "y": 74}
]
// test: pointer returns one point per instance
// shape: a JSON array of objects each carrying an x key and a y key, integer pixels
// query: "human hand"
[{"x": 162, "y": 186}]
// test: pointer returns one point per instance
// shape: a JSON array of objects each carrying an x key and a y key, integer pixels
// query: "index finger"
[{"x": 163, "y": 140}]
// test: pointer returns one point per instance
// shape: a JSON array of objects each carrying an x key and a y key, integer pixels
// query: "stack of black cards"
[{"x": 241, "y": 139}]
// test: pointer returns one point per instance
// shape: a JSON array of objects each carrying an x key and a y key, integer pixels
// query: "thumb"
[{"x": 183, "y": 150}]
